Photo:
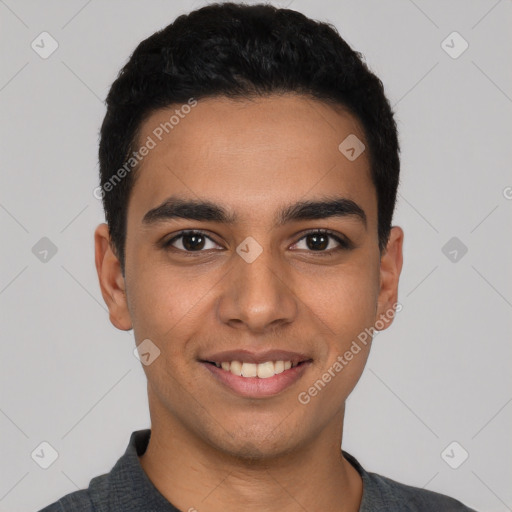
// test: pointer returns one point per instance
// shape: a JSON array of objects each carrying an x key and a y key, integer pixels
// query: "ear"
[
  {"x": 390, "y": 268},
  {"x": 111, "y": 279}
]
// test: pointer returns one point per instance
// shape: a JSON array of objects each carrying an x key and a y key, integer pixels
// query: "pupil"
[
  {"x": 191, "y": 242},
  {"x": 319, "y": 242}
]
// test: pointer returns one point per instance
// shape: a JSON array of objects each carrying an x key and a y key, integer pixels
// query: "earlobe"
[
  {"x": 111, "y": 279},
  {"x": 390, "y": 268}
]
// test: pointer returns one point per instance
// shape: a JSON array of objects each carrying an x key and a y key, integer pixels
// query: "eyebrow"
[{"x": 190, "y": 209}]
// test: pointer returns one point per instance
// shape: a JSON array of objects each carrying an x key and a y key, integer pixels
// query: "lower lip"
[{"x": 254, "y": 387}]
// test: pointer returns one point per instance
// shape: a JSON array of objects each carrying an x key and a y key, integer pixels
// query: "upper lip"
[{"x": 246, "y": 356}]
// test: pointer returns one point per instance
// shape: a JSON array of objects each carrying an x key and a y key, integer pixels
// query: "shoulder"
[
  {"x": 387, "y": 494},
  {"x": 125, "y": 488},
  {"x": 84, "y": 500},
  {"x": 382, "y": 494}
]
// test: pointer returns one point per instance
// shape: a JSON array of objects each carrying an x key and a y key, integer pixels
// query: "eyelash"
[{"x": 343, "y": 243}]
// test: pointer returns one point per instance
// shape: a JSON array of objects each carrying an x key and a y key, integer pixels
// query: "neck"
[{"x": 194, "y": 475}]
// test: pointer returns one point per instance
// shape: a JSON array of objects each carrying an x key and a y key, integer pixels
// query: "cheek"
[
  {"x": 345, "y": 299},
  {"x": 164, "y": 306},
  {"x": 170, "y": 306},
  {"x": 159, "y": 300}
]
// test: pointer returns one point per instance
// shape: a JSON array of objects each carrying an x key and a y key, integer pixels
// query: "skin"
[{"x": 211, "y": 449}]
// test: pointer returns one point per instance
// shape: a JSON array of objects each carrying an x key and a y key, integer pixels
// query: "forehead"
[{"x": 252, "y": 155}]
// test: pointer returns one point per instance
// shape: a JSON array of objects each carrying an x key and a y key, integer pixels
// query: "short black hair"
[{"x": 242, "y": 51}]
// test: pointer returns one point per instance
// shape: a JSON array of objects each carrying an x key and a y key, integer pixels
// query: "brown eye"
[
  {"x": 317, "y": 241},
  {"x": 191, "y": 241},
  {"x": 322, "y": 241}
]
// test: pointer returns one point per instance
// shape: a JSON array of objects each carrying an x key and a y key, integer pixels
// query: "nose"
[{"x": 257, "y": 296}]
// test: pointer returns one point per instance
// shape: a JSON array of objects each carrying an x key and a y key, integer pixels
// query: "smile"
[
  {"x": 261, "y": 380},
  {"x": 262, "y": 370}
]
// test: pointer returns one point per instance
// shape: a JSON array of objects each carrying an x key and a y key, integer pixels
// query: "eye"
[
  {"x": 320, "y": 241},
  {"x": 191, "y": 241},
  {"x": 323, "y": 241}
]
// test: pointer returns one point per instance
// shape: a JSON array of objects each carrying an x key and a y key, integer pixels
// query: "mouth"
[
  {"x": 256, "y": 375},
  {"x": 264, "y": 370}
]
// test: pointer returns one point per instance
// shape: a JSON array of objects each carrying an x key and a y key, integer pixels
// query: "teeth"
[
  {"x": 265, "y": 370},
  {"x": 249, "y": 370},
  {"x": 262, "y": 370},
  {"x": 278, "y": 367},
  {"x": 235, "y": 367}
]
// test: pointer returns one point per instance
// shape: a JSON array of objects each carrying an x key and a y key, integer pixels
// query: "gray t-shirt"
[{"x": 127, "y": 488}]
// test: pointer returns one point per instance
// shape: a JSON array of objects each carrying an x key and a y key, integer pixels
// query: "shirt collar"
[{"x": 133, "y": 491}]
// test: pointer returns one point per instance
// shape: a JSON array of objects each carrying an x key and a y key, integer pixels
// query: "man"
[{"x": 249, "y": 167}]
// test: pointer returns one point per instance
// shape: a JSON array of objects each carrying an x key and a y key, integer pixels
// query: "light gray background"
[{"x": 440, "y": 374}]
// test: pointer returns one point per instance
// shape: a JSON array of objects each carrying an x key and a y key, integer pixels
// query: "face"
[{"x": 249, "y": 231}]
